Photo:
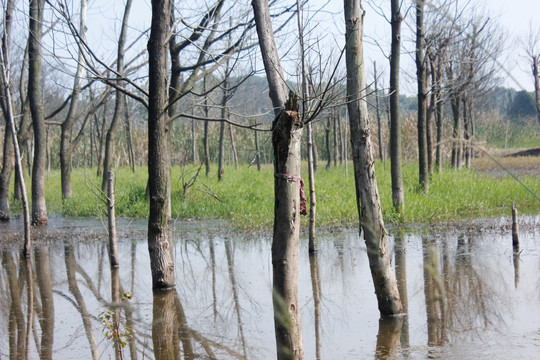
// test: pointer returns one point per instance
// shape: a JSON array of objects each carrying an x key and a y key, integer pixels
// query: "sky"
[{"x": 514, "y": 16}]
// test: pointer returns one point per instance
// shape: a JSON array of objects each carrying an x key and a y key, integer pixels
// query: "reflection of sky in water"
[{"x": 487, "y": 317}]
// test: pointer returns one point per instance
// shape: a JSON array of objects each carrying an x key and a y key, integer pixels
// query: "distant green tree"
[{"x": 522, "y": 105}]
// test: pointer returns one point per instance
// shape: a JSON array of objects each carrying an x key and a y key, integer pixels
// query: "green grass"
[{"x": 246, "y": 196}]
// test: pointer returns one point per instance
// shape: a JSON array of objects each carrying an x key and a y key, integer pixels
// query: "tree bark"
[
  {"x": 159, "y": 245},
  {"x": 327, "y": 143},
  {"x": 286, "y": 140},
  {"x": 395, "y": 138},
  {"x": 233, "y": 146},
  {"x": 257, "y": 150},
  {"x": 430, "y": 110},
  {"x": 422, "y": 90},
  {"x": 378, "y": 111},
  {"x": 206, "y": 130},
  {"x": 367, "y": 194},
  {"x": 39, "y": 206}
]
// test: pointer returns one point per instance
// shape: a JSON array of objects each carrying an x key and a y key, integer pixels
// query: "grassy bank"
[{"x": 245, "y": 197}]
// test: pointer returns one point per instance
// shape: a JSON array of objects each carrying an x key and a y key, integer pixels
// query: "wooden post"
[
  {"x": 515, "y": 228},
  {"x": 113, "y": 246}
]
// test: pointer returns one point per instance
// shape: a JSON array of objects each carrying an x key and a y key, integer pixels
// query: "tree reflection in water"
[{"x": 460, "y": 292}]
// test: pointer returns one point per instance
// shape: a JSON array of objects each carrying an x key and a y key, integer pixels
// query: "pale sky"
[{"x": 514, "y": 16}]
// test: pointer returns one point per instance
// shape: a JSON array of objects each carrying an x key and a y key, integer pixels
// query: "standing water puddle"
[{"x": 467, "y": 296}]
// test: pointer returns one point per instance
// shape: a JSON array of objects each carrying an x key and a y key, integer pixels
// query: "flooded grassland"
[{"x": 467, "y": 295}]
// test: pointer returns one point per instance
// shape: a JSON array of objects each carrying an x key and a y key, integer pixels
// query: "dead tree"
[{"x": 367, "y": 194}]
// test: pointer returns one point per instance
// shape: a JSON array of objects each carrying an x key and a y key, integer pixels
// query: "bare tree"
[
  {"x": 286, "y": 140},
  {"x": 159, "y": 243},
  {"x": 395, "y": 138},
  {"x": 39, "y": 206},
  {"x": 120, "y": 99},
  {"x": 422, "y": 96},
  {"x": 367, "y": 194}
]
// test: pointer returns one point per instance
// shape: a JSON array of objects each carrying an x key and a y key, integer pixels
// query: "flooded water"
[{"x": 467, "y": 296}]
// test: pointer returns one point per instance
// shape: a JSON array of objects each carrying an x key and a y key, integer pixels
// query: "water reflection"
[{"x": 460, "y": 292}]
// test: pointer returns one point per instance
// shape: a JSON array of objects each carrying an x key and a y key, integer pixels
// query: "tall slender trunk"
[
  {"x": 286, "y": 140},
  {"x": 437, "y": 77},
  {"x": 194, "y": 157},
  {"x": 309, "y": 148},
  {"x": 129, "y": 139},
  {"x": 378, "y": 111},
  {"x": 39, "y": 206},
  {"x": 159, "y": 244},
  {"x": 206, "y": 130},
  {"x": 257, "y": 150},
  {"x": 335, "y": 152},
  {"x": 340, "y": 138},
  {"x": 327, "y": 130},
  {"x": 7, "y": 158},
  {"x": 66, "y": 146},
  {"x": 456, "y": 138},
  {"x": 467, "y": 131},
  {"x": 120, "y": 101},
  {"x": 367, "y": 193},
  {"x": 430, "y": 110},
  {"x": 422, "y": 96},
  {"x": 233, "y": 147},
  {"x": 395, "y": 138},
  {"x": 224, "y": 114}
]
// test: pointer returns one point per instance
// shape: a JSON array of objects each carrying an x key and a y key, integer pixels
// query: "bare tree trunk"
[
  {"x": 340, "y": 137},
  {"x": 257, "y": 150},
  {"x": 437, "y": 73},
  {"x": 378, "y": 111},
  {"x": 286, "y": 140},
  {"x": 221, "y": 152},
  {"x": 334, "y": 123},
  {"x": 305, "y": 107},
  {"x": 233, "y": 147},
  {"x": 367, "y": 194},
  {"x": 39, "y": 206},
  {"x": 430, "y": 109},
  {"x": 159, "y": 245},
  {"x": 467, "y": 131},
  {"x": 10, "y": 122},
  {"x": 395, "y": 138},
  {"x": 315, "y": 150},
  {"x": 130, "y": 139},
  {"x": 327, "y": 143},
  {"x": 120, "y": 101},
  {"x": 194, "y": 157},
  {"x": 422, "y": 90},
  {"x": 66, "y": 146},
  {"x": 456, "y": 138},
  {"x": 113, "y": 245},
  {"x": 206, "y": 130}
]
